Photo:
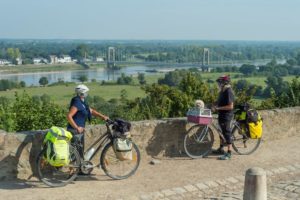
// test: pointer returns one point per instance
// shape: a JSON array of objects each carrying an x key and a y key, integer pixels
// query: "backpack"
[
  {"x": 250, "y": 121},
  {"x": 57, "y": 141},
  {"x": 121, "y": 126}
]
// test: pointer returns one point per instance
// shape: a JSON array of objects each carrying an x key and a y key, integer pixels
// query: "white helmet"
[{"x": 81, "y": 89}]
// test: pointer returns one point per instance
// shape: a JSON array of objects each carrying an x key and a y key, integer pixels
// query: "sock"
[{"x": 229, "y": 151}]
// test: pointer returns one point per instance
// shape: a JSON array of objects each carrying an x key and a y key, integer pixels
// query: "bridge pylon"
[{"x": 111, "y": 57}]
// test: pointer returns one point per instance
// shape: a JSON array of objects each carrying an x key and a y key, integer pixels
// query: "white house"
[
  {"x": 99, "y": 59},
  {"x": 64, "y": 59},
  {"x": 53, "y": 59},
  {"x": 4, "y": 62},
  {"x": 19, "y": 61},
  {"x": 36, "y": 60}
]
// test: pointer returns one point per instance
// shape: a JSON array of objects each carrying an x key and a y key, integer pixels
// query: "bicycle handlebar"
[{"x": 109, "y": 122}]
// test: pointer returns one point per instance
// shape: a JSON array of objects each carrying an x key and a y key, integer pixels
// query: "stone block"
[
  {"x": 179, "y": 190},
  {"x": 211, "y": 184},
  {"x": 202, "y": 186},
  {"x": 232, "y": 180},
  {"x": 168, "y": 192},
  {"x": 2, "y": 141}
]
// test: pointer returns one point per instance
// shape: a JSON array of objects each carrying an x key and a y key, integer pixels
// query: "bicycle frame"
[
  {"x": 217, "y": 127},
  {"x": 98, "y": 144},
  {"x": 101, "y": 141}
]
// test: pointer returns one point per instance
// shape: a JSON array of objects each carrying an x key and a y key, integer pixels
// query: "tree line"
[{"x": 163, "y": 51}]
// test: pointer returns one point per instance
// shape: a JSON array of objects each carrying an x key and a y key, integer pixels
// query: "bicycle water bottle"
[{"x": 89, "y": 154}]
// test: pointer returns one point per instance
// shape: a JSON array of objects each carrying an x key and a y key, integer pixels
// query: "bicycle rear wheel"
[
  {"x": 116, "y": 168},
  {"x": 57, "y": 176},
  {"x": 243, "y": 144},
  {"x": 198, "y": 141}
]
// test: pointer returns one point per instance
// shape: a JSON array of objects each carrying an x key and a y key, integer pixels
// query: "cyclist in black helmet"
[{"x": 224, "y": 107}]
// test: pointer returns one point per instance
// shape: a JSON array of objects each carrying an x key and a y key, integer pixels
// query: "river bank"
[{"x": 20, "y": 69}]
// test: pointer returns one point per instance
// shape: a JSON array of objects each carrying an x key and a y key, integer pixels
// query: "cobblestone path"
[{"x": 232, "y": 188}]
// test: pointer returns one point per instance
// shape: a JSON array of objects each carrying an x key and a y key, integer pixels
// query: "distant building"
[
  {"x": 64, "y": 59},
  {"x": 84, "y": 60},
  {"x": 37, "y": 60},
  {"x": 19, "y": 61},
  {"x": 4, "y": 62},
  {"x": 99, "y": 59},
  {"x": 53, "y": 59}
]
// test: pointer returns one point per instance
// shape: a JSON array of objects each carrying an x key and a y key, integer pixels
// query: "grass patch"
[{"x": 61, "y": 94}]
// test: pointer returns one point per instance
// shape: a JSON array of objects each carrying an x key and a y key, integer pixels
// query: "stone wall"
[{"x": 155, "y": 138}]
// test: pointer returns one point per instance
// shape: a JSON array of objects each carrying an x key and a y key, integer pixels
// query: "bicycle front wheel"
[
  {"x": 243, "y": 144},
  {"x": 119, "y": 168},
  {"x": 198, "y": 141},
  {"x": 57, "y": 176}
]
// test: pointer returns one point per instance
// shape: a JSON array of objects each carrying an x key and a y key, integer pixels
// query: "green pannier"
[{"x": 57, "y": 141}]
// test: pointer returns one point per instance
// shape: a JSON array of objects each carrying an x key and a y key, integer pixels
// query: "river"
[{"x": 97, "y": 74}]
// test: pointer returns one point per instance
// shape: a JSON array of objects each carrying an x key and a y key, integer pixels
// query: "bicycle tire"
[
  {"x": 108, "y": 156},
  {"x": 54, "y": 182},
  {"x": 242, "y": 141},
  {"x": 196, "y": 149}
]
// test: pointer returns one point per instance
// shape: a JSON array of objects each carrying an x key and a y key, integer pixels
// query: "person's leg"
[
  {"x": 78, "y": 138},
  {"x": 220, "y": 150},
  {"x": 226, "y": 131}
]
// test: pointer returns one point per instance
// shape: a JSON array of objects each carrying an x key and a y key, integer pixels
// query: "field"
[{"x": 62, "y": 94}]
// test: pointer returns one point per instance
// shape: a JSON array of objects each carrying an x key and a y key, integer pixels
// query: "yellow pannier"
[{"x": 255, "y": 129}]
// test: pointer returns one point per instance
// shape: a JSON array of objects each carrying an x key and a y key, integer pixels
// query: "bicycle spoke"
[
  {"x": 116, "y": 168},
  {"x": 243, "y": 144}
]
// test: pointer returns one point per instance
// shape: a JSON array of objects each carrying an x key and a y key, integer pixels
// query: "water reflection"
[
  {"x": 97, "y": 74},
  {"x": 68, "y": 76}
]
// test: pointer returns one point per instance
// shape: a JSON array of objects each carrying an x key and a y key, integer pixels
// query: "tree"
[
  {"x": 83, "y": 78},
  {"x": 43, "y": 81},
  {"x": 298, "y": 59},
  {"x": 125, "y": 80},
  {"x": 80, "y": 52},
  {"x": 12, "y": 53},
  {"x": 244, "y": 91},
  {"x": 275, "y": 83},
  {"x": 124, "y": 95},
  {"x": 22, "y": 84},
  {"x": 247, "y": 69},
  {"x": 43, "y": 114},
  {"x": 291, "y": 62},
  {"x": 141, "y": 78}
]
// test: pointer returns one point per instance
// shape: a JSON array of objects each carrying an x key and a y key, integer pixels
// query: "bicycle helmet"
[
  {"x": 81, "y": 89},
  {"x": 224, "y": 79}
]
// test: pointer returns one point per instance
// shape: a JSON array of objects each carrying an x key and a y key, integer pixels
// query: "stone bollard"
[{"x": 255, "y": 187}]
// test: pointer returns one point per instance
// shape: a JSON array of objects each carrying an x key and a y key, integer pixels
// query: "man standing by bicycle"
[{"x": 224, "y": 108}]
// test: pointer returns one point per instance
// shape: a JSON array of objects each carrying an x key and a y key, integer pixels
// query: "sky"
[{"x": 151, "y": 19}]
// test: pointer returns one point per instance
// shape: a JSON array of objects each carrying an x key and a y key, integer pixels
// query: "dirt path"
[{"x": 170, "y": 172}]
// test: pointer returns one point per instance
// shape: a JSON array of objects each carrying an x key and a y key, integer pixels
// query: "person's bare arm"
[
  {"x": 70, "y": 115},
  {"x": 98, "y": 114}
]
